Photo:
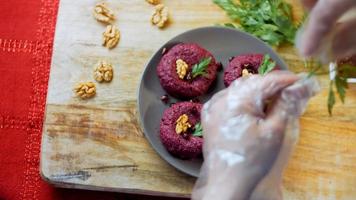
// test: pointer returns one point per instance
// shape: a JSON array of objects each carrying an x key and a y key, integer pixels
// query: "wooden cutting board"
[{"x": 98, "y": 143}]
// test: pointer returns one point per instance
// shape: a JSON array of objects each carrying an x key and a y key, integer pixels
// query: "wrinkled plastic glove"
[
  {"x": 249, "y": 131},
  {"x": 330, "y": 31}
]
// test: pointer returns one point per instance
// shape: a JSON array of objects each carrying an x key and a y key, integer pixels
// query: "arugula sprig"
[
  {"x": 269, "y": 20},
  {"x": 341, "y": 85},
  {"x": 198, "y": 130},
  {"x": 199, "y": 69},
  {"x": 267, "y": 65},
  {"x": 338, "y": 84}
]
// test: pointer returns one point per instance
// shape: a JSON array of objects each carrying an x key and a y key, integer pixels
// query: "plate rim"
[{"x": 139, "y": 88}]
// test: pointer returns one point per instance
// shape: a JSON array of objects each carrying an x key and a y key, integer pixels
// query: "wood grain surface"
[{"x": 98, "y": 143}]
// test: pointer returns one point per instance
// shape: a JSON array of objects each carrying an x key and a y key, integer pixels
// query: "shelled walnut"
[
  {"x": 103, "y": 13},
  {"x": 181, "y": 68},
  {"x": 246, "y": 73},
  {"x": 182, "y": 124},
  {"x": 103, "y": 72},
  {"x": 153, "y": 2},
  {"x": 111, "y": 36},
  {"x": 160, "y": 16},
  {"x": 85, "y": 90}
]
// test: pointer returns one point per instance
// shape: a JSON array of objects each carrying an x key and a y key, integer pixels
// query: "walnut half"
[
  {"x": 182, "y": 124},
  {"x": 111, "y": 36},
  {"x": 181, "y": 68},
  {"x": 85, "y": 90},
  {"x": 246, "y": 73},
  {"x": 153, "y": 2},
  {"x": 160, "y": 16},
  {"x": 103, "y": 72},
  {"x": 103, "y": 13}
]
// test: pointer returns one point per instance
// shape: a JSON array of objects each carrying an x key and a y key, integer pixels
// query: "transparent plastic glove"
[
  {"x": 291, "y": 104},
  {"x": 330, "y": 31},
  {"x": 243, "y": 144}
]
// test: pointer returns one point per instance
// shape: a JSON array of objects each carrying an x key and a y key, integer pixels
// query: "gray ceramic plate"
[{"x": 222, "y": 43}]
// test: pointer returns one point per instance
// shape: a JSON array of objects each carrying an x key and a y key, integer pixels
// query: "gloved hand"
[
  {"x": 243, "y": 141},
  {"x": 325, "y": 33}
]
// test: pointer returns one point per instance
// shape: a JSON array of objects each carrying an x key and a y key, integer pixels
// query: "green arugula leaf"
[
  {"x": 331, "y": 98},
  {"x": 339, "y": 82},
  {"x": 200, "y": 68},
  {"x": 269, "y": 20},
  {"x": 341, "y": 86},
  {"x": 198, "y": 130},
  {"x": 230, "y": 8},
  {"x": 267, "y": 65},
  {"x": 230, "y": 25}
]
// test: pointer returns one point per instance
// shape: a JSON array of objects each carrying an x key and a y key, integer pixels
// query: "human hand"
[
  {"x": 241, "y": 139},
  {"x": 325, "y": 29}
]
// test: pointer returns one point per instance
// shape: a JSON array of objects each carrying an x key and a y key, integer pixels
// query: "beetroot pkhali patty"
[
  {"x": 180, "y": 145},
  {"x": 251, "y": 62},
  {"x": 191, "y": 54}
]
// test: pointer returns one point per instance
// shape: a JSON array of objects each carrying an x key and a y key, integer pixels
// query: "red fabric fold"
[{"x": 26, "y": 40}]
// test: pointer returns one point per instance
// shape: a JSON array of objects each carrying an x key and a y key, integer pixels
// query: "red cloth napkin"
[{"x": 26, "y": 40}]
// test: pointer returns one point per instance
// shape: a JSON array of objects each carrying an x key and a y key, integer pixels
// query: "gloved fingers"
[
  {"x": 344, "y": 43},
  {"x": 290, "y": 102},
  {"x": 218, "y": 96},
  {"x": 322, "y": 18},
  {"x": 214, "y": 105},
  {"x": 309, "y": 4},
  {"x": 248, "y": 95},
  {"x": 303, "y": 89},
  {"x": 271, "y": 84}
]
